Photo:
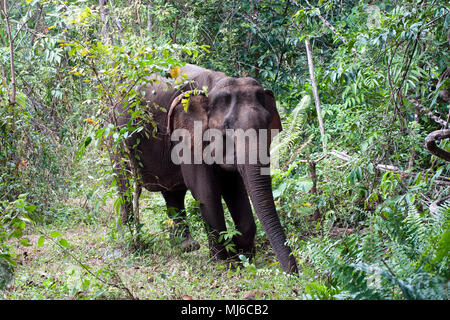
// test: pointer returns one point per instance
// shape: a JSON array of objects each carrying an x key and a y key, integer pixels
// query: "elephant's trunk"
[{"x": 259, "y": 188}]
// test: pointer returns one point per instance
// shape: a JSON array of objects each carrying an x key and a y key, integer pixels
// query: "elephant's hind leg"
[{"x": 180, "y": 231}]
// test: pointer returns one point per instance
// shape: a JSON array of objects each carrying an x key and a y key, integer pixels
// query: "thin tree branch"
[
  {"x": 427, "y": 112},
  {"x": 119, "y": 283},
  {"x": 430, "y": 143}
]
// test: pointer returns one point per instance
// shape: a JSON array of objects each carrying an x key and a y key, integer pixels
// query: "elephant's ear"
[
  {"x": 180, "y": 117},
  {"x": 275, "y": 122}
]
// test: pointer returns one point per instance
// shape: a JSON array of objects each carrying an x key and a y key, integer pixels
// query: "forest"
[{"x": 360, "y": 172}]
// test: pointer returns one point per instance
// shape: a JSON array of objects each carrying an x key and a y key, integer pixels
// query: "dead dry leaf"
[{"x": 253, "y": 294}]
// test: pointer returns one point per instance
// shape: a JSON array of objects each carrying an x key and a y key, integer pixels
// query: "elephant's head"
[{"x": 234, "y": 107}]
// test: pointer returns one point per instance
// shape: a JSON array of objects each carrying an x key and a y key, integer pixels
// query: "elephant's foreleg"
[
  {"x": 180, "y": 231},
  {"x": 205, "y": 188},
  {"x": 236, "y": 198}
]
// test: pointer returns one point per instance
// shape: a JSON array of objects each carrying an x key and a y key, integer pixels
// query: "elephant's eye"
[
  {"x": 222, "y": 98},
  {"x": 261, "y": 97}
]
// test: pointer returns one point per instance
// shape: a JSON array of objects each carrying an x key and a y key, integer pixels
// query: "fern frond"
[
  {"x": 415, "y": 226},
  {"x": 288, "y": 139}
]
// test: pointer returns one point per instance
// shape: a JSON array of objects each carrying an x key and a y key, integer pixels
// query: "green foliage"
[
  {"x": 293, "y": 129},
  {"x": 13, "y": 221},
  {"x": 226, "y": 237},
  {"x": 396, "y": 257}
]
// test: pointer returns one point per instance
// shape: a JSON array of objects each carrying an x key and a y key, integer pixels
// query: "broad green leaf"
[
  {"x": 304, "y": 185},
  {"x": 25, "y": 242},
  {"x": 87, "y": 141},
  {"x": 55, "y": 234},
  {"x": 30, "y": 208},
  {"x": 41, "y": 241},
  {"x": 64, "y": 243}
]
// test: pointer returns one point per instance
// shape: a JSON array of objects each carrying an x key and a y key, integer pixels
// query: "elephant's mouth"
[
  {"x": 229, "y": 153},
  {"x": 239, "y": 147}
]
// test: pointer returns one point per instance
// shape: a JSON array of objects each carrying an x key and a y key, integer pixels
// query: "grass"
[{"x": 99, "y": 263}]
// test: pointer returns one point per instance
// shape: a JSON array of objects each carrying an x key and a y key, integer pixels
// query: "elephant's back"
[
  {"x": 202, "y": 77},
  {"x": 158, "y": 171}
]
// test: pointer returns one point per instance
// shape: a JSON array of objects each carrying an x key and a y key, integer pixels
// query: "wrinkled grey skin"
[{"x": 230, "y": 103}]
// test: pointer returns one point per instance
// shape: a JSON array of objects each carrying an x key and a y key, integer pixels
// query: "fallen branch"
[
  {"x": 434, "y": 207},
  {"x": 382, "y": 167},
  {"x": 342, "y": 155},
  {"x": 442, "y": 182}
]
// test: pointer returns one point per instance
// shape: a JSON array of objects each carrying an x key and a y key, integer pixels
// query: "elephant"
[{"x": 229, "y": 103}]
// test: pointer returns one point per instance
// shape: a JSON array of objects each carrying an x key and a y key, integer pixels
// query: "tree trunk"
[
  {"x": 313, "y": 177},
  {"x": 104, "y": 18},
  {"x": 4, "y": 9},
  {"x": 315, "y": 92},
  {"x": 175, "y": 27},
  {"x": 149, "y": 17}
]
